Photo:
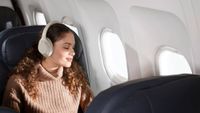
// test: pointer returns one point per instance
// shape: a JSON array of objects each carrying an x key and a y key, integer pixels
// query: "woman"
[{"x": 47, "y": 79}]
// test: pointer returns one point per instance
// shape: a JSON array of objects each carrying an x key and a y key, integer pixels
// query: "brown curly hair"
[{"x": 73, "y": 77}]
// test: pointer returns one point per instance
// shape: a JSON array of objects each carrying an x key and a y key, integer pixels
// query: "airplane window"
[
  {"x": 114, "y": 58},
  {"x": 40, "y": 18},
  {"x": 171, "y": 62}
]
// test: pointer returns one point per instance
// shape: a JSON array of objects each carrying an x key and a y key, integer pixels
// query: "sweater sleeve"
[
  {"x": 86, "y": 98},
  {"x": 12, "y": 95}
]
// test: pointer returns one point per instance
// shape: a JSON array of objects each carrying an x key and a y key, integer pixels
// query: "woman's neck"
[{"x": 51, "y": 67}]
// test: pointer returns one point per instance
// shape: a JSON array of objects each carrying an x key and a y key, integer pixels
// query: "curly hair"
[{"x": 73, "y": 77}]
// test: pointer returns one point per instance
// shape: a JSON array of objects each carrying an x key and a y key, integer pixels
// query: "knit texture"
[{"x": 53, "y": 96}]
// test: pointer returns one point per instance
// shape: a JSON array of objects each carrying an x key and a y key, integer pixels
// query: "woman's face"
[{"x": 63, "y": 50}]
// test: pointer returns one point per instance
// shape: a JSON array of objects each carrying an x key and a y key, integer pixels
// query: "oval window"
[
  {"x": 114, "y": 57},
  {"x": 170, "y": 62},
  {"x": 40, "y": 18}
]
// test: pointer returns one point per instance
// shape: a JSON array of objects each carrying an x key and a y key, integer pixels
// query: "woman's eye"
[{"x": 66, "y": 47}]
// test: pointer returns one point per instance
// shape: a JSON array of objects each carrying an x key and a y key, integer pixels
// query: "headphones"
[{"x": 45, "y": 46}]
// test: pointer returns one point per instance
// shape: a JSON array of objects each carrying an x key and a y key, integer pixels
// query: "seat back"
[
  {"x": 171, "y": 94},
  {"x": 14, "y": 42},
  {"x": 8, "y": 18}
]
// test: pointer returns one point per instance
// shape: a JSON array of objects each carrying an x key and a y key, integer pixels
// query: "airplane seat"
[
  {"x": 13, "y": 43},
  {"x": 169, "y": 94},
  {"x": 8, "y": 18},
  {"x": 6, "y": 110}
]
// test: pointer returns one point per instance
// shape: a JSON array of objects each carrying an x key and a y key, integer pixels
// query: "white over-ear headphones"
[{"x": 45, "y": 45}]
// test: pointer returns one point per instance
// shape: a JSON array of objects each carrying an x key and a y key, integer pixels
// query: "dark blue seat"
[
  {"x": 6, "y": 110},
  {"x": 171, "y": 94}
]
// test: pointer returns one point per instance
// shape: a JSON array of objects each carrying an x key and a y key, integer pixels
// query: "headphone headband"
[{"x": 44, "y": 33}]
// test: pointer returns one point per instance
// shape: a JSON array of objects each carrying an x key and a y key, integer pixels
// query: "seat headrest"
[
  {"x": 8, "y": 18},
  {"x": 16, "y": 40}
]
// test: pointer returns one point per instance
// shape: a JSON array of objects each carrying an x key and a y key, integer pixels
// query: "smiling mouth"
[{"x": 69, "y": 59}]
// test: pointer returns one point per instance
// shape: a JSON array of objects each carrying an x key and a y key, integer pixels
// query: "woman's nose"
[{"x": 72, "y": 52}]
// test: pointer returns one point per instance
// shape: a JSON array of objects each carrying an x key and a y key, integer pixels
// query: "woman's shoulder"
[{"x": 15, "y": 81}]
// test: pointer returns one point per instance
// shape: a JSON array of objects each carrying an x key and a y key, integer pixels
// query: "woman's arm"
[
  {"x": 86, "y": 98},
  {"x": 12, "y": 94}
]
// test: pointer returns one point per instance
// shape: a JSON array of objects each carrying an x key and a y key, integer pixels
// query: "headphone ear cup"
[{"x": 45, "y": 47}]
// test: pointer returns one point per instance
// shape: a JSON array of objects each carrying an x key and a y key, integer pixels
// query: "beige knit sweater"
[{"x": 52, "y": 97}]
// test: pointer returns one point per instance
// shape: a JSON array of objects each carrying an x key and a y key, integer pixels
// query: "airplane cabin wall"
[
  {"x": 53, "y": 10},
  {"x": 140, "y": 55},
  {"x": 193, "y": 23},
  {"x": 6, "y": 3},
  {"x": 185, "y": 10},
  {"x": 27, "y": 7}
]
